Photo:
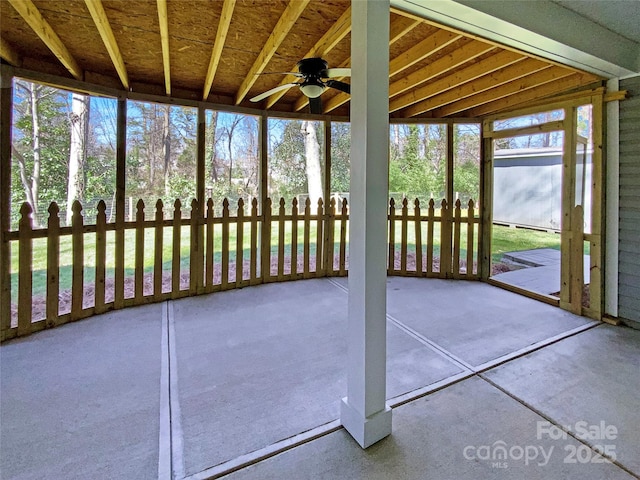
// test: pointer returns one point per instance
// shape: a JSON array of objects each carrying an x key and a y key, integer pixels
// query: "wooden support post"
[
  {"x": 450, "y": 158},
  {"x": 456, "y": 239},
  {"x": 391, "y": 257},
  {"x": 101, "y": 256},
  {"x": 430, "y": 224},
  {"x": 255, "y": 254},
  {"x": 6, "y": 111},
  {"x": 121, "y": 155},
  {"x": 224, "y": 282},
  {"x": 568, "y": 202},
  {"x": 240, "y": 243},
  {"x": 294, "y": 238},
  {"x": 196, "y": 255},
  {"x": 25, "y": 265},
  {"x": 201, "y": 141},
  {"x": 344, "y": 214},
  {"x": 139, "y": 253},
  {"x": 485, "y": 203},
  {"x": 77, "y": 246},
  {"x": 281, "y": 238},
  {"x": 470, "y": 238},
  {"x": 53, "y": 265},
  {"x": 265, "y": 243},
  {"x": 263, "y": 193},
  {"x": 329, "y": 235},
  {"x": 209, "y": 254},
  {"x": 418, "y": 234},
  {"x": 403, "y": 236},
  {"x": 158, "y": 246},
  {"x": 175, "y": 253},
  {"x": 445, "y": 239},
  {"x": 307, "y": 238},
  {"x": 198, "y": 273},
  {"x": 598, "y": 179},
  {"x": 320, "y": 215},
  {"x": 329, "y": 204},
  {"x": 577, "y": 260}
]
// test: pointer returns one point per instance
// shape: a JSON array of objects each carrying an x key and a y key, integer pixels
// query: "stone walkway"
[{"x": 540, "y": 270}]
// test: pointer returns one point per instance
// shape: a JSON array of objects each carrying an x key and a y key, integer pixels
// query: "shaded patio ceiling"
[{"x": 220, "y": 51}]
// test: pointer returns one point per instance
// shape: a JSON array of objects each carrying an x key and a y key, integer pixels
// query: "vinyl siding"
[{"x": 629, "y": 246}]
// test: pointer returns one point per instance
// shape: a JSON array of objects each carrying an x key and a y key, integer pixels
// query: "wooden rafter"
[
  {"x": 547, "y": 75},
  {"x": 323, "y": 46},
  {"x": 472, "y": 71},
  {"x": 163, "y": 18},
  {"x": 399, "y": 27},
  {"x": 422, "y": 50},
  {"x": 9, "y": 54},
  {"x": 218, "y": 44},
  {"x": 104, "y": 29},
  {"x": 41, "y": 27},
  {"x": 458, "y": 57},
  {"x": 427, "y": 47},
  {"x": 534, "y": 94},
  {"x": 287, "y": 20},
  {"x": 509, "y": 72}
]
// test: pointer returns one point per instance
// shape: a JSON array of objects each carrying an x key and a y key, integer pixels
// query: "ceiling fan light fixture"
[{"x": 312, "y": 90}]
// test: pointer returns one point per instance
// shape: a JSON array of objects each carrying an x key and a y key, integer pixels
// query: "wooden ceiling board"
[
  {"x": 437, "y": 72},
  {"x": 72, "y": 22}
]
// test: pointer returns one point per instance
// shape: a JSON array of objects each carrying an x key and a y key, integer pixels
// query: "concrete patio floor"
[{"x": 247, "y": 383}]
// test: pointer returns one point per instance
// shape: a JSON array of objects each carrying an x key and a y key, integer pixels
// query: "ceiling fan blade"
[
  {"x": 295, "y": 74},
  {"x": 315, "y": 105},
  {"x": 268, "y": 93},
  {"x": 336, "y": 72},
  {"x": 343, "y": 87}
]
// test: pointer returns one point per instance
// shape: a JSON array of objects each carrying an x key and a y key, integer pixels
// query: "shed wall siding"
[{"x": 629, "y": 245}]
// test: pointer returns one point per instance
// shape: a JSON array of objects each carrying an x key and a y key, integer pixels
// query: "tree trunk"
[
  {"x": 77, "y": 149},
  {"x": 166, "y": 148},
  {"x": 35, "y": 178},
  {"x": 312, "y": 154},
  {"x": 214, "y": 160}
]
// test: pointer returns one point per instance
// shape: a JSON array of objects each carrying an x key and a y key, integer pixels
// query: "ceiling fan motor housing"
[{"x": 312, "y": 67}]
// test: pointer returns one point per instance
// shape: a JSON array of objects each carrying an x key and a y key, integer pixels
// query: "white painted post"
[{"x": 364, "y": 412}]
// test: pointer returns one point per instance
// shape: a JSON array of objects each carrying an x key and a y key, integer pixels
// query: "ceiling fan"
[{"x": 316, "y": 78}]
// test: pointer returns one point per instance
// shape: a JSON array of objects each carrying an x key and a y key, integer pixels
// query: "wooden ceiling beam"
[
  {"x": 517, "y": 99},
  {"x": 467, "y": 74},
  {"x": 327, "y": 42},
  {"x": 163, "y": 18},
  {"x": 458, "y": 57},
  {"x": 548, "y": 75},
  {"x": 427, "y": 47},
  {"x": 30, "y": 13},
  {"x": 218, "y": 44},
  {"x": 399, "y": 27},
  {"x": 280, "y": 31},
  {"x": 490, "y": 80},
  {"x": 99, "y": 16},
  {"x": 9, "y": 54}
]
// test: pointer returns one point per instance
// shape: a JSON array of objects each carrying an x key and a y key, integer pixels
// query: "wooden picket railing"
[{"x": 236, "y": 249}]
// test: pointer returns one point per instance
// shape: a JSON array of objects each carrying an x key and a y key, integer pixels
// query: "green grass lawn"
[
  {"x": 504, "y": 239},
  {"x": 507, "y": 239}
]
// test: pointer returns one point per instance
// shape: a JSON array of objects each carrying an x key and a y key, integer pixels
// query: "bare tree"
[
  {"x": 79, "y": 121},
  {"x": 312, "y": 154},
  {"x": 166, "y": 147}
]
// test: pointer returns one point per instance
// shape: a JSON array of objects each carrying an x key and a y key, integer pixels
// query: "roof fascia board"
[{"x": 542, "y": 28}]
